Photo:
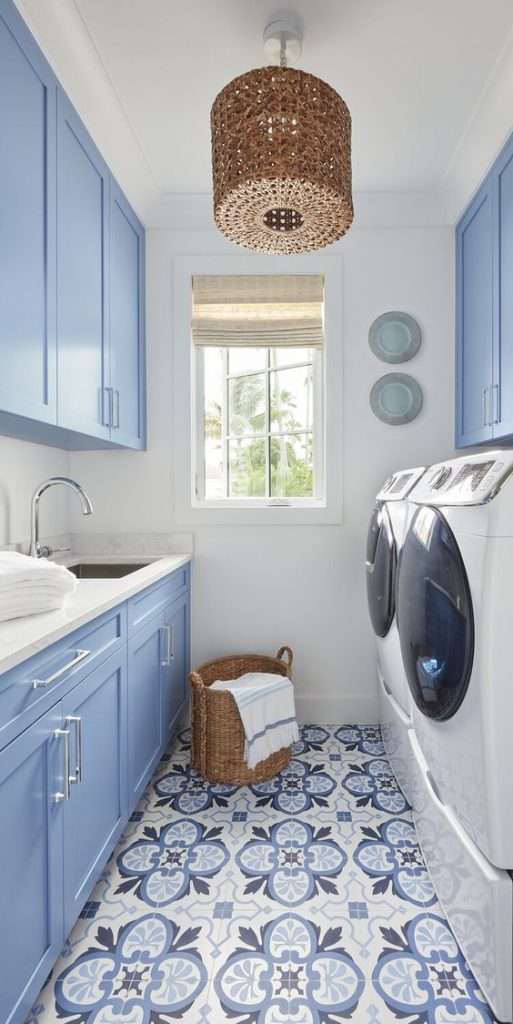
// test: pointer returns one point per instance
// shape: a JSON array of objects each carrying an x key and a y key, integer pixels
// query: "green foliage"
[{"x": 290, "y": 456}]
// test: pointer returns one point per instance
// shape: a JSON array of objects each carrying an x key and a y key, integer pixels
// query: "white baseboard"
[{"x": 350, "y": 708}]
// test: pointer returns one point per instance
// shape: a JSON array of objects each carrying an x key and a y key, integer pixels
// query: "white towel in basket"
[{"x": 266, "y": 706}]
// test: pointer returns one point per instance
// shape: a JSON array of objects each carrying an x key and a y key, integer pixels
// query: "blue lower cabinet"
[
  {"x": 31, "y": 863},
  {"x": 145, "y": 681},
  {"x": 94, "y": 714},
  {"x": 70, "y": 779},
  {"x": 175, "y": 664}
]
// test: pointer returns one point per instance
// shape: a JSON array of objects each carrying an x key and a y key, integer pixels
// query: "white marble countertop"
[{"x": 23, "y": 637}]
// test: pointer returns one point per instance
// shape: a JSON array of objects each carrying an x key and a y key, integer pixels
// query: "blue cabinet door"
[
  {"x": 474, "y": 321},
  {"x": 145, "y": 680},
  {"x": 175, "y": 664},
  {"x": 31, "y": 775},
  {"x": 502, "y": 405},
  {"x": 94, "y": 816},
  {"x": 27, "y": 223},
  {"x": 126, "y": 322},
  {"x": 82, "y": 278}
]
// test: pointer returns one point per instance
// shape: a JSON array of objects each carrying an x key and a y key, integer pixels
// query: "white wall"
[
  {"x": 22, "y": 467},
  {"x": 258, "y": 587}
]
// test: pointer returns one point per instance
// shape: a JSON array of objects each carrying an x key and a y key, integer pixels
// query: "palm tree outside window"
[{"x": 259, "y": 423}]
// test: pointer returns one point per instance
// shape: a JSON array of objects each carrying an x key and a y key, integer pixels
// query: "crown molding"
[
  {"x": 59, "y": 29},
  {"x": 486, "y": 132},
  {"x": 70, "y": 50}
]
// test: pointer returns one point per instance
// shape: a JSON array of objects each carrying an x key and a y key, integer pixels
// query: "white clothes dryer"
[
  {"x": 455, "y": 617},
  {"x": 455, "y": 622},
  {"x": 387, "y": 529}
]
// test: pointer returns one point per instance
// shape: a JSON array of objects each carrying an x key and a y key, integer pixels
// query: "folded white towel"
[
  {"x": 29, "y": 586},
  {"x": 18, "y": 568},
  {"x": 266, "y": 706}
]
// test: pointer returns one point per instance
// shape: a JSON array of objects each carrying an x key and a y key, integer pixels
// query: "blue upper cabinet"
[
  {"x": 484, "y": 311},
  {"x": 27, "y": 218},
  {"x": 502, "y": 408},
  {"x": 474, "y": 320},
  {"x": 126, "y": 322},
  {"x": 71, "y": 268},
  {"x": 82, "y": 281}
]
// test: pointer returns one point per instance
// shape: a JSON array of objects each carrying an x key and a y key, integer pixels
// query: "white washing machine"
[
  {"x": 387, "y": 529},
  {"x": 455, "y": 621}
]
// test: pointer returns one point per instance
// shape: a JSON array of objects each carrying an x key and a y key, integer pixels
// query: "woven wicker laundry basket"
[{"x": 217, "y": 731}]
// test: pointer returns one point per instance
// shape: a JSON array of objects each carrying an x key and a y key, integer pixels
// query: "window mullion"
[
  {"x": 318, "y": 421},
  {"x": 224, "y": 426},
  {"x": 267, "y": 426}
]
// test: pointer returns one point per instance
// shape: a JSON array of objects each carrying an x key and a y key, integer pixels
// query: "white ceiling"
[{"x": 411, "y": 71}]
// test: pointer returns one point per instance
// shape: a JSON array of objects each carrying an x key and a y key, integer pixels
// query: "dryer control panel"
[
  {"x": 400, "y": 484},
  {"x": 471, "y": 480}
]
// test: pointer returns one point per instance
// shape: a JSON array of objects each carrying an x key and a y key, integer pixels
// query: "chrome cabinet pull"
[
  {"x": 77, "y": 777},
  {"x": 116, "y": 407},
  {"x": 107, "y": 416},
  {"x": 65, "y": 795},
  {"x": 164, "y": 632},
  {"x": 79, "y": 656},
  {"x": 168, "y": 632},
  {"x": 484, "y": 403},
  {"x": 496, "y": 415}
]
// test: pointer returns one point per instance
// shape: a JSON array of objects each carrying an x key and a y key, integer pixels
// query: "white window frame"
[
  {"x": 317, "y": 430},
  {"x": 220, "y": 258}
]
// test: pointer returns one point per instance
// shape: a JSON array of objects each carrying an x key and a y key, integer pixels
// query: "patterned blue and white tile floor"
[{"x": 301, "y": 901}]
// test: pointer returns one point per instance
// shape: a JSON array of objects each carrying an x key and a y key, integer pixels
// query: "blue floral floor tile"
[{"x": 304, "y": 900}]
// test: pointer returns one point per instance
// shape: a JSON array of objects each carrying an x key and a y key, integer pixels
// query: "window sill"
[
  {"x": 263, "y": 504},
  {"x": 254, "y": 513}
]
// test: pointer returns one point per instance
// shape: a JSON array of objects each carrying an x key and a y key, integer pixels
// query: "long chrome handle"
[
  {"x": 79, "y": 656},
  {"x": 164, "y": 632},
  {"x": 107, "y": 393},
  {"x": 116, "y": 407},
  {"x": 484, "y": 403},
  {"x": 77, "y": 777},
  {"x": 168, "y": 632},
  {"x": 496, "y": 413},
  {"x": 65, "y": 795}
]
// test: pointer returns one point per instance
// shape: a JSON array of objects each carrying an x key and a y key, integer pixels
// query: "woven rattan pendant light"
[{"x": 281, "y": 156}]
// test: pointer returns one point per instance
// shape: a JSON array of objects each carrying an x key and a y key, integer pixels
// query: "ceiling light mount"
[
  {"x": 283, "y": 39},
  {"x": 281, "y": 153}
]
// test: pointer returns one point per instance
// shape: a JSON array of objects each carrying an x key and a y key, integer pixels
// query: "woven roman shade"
[{"x": 268, "y": 310}]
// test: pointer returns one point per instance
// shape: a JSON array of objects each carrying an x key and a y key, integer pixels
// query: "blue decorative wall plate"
[
  {"x": 395, "y": 337},
  {"x": 396, "y": 398}
]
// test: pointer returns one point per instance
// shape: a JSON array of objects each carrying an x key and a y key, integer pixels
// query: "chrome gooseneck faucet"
[{"x": 36, "y": 549}]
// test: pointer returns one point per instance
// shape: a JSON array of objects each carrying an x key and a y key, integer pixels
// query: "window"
[{"x": 259, "y": 416}]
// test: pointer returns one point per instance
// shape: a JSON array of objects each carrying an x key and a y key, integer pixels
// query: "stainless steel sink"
[{"x": 104, "y": 570}]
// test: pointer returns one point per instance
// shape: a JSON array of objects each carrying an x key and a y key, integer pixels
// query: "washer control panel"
[
  {"x": 471, "y": 480},
  {"x": 400, "y": 484}
]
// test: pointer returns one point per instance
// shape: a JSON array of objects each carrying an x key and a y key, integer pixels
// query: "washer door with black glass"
[
  {"x": 381, "y": 565},
  {"x": 434, "y": 614}
]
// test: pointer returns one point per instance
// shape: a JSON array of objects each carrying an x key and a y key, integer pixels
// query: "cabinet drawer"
[
  {"x": 28, "y": 690},
  {"x": 142, "y": 606}
]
